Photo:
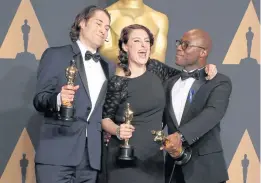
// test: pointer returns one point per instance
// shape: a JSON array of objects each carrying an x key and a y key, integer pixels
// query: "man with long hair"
[{"x": 71, "y": 151}]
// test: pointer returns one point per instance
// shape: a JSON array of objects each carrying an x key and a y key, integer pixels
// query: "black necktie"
[
  {"x": 185, "y": 75},
  {"x": 96, "y": 57}
]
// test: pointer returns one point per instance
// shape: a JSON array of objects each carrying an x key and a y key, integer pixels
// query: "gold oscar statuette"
[
  {"x": 67, "y": 108},
  {"x": 184, "y": 152},
  {"x": 126, "y": 151}
]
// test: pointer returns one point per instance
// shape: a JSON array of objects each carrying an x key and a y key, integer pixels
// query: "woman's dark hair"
[
  {"x": 85, "y": 14},
  {"x": 125, "y": 34}
]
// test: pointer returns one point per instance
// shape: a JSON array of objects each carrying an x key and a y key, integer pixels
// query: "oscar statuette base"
[
  {"x": 67, "y": 114},
  {"x": 126, "y": 153},
  {"x": 184, "y": 156}
]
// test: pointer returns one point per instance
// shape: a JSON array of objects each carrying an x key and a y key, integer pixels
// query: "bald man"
[{"x": 194, "y": 109}]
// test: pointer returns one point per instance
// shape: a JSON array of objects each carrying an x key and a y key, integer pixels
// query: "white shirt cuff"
[{"x": 59, "y": 102}]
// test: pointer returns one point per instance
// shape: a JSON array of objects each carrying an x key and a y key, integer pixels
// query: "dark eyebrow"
[
  {"x": 185, "y": 41},
  {"x": 99, "y": 20},
  {"x": 140, "y": 38},
  {"x": 102, "y": 22}
]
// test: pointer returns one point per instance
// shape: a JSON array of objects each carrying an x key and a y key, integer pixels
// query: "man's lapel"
[
  {"x": 105, "y": 67},
  {"x": 80, "y": 66},
  {"x": 191, "y": 98},
  {"x": 169, "y": 104}
]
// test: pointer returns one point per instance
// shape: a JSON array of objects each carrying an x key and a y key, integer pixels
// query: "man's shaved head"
[
  {"x": 193, "y": 49},
  {"x": 201, "y": 37}
]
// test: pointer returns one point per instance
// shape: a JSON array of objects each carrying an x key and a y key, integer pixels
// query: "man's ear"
[
  {"x": 82, "y": 24},
  {"x": 204, "y": 53}
]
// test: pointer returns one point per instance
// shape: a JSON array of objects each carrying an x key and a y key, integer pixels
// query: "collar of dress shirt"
[{"x": 83, "y": 48}]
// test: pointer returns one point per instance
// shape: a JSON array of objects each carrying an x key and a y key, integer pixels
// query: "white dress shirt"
[
  {"x": 180, "y": 93},
  {"x": 95, "y": 78}
]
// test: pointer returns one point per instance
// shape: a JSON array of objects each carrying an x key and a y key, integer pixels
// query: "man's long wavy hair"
[{"x": 85, "y": 14}]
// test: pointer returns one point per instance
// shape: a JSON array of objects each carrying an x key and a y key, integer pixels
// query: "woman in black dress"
[{"x": 140, "y": 84}]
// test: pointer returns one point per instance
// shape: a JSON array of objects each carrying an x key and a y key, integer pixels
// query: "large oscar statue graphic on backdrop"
[{"x": 127, "y": 12}]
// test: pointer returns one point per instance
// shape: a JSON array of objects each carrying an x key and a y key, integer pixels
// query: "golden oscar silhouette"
[
  {"x": 126, "y": 151},
  {"x": 184, "y": 152},
  {"x": 67, "y": 108}
]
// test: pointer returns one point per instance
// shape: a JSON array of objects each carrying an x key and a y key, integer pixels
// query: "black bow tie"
[
  {"x": 96, "y": 57},
  {"x": 185, "y": 75}
]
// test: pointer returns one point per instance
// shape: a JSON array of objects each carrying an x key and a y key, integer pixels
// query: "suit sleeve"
[
  {"x": 45, "y": 99},
  {"x": 165, "y": 86},
  {"x": 210, "y": 116}
]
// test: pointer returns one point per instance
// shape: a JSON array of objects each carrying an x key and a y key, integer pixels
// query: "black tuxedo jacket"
[
  {"x": 200, "y": 126},
  {"x": 63, "y": 143}
]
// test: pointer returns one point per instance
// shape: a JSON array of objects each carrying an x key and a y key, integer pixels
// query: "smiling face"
[
  {"x": 138, "y": 47},
  {"x": 187, "y": 55},
  {"x": 193, "y": 49},
  {"x": 94, "y": 31}
]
